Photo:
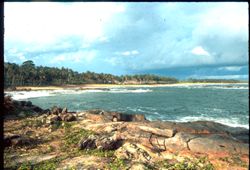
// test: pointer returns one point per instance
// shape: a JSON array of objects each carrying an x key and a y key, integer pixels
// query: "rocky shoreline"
[{"x": 98, "y": 139}]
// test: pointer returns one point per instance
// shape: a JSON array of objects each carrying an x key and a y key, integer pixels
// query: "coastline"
[
  {"x": 86, "y": 138},
  {"x": 98, "y": 86}
]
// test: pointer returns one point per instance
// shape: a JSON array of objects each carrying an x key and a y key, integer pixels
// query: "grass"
[
  {"x": 234, "y": 160},
  {"x": 201, "y": 163},
  {"x": 74, "y": 135},
  {"x": 32, "y": 123},
  {"x": 117, "y": 164},
  {"x": 51, "y": 164}
]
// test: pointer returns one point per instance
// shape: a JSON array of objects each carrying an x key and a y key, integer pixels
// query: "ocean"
[{"x": 223, "y": 103}]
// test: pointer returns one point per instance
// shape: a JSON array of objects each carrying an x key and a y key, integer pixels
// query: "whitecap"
[
  {"x": 232, "y": 122},
  {"x": 24, "y": 95},
  {"x": 129, "y": 90}
]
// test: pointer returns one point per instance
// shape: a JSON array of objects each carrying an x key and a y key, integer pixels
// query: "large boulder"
[
  {"x": 106, "y": 142},
  {"x": 116, "y": 116},
  {"x": 102, "y": 142},
  {"x": 68, "y": 117},
  {"x": 217, "y": 144},
  {"x": 132, "y": 152},
  {"x": 56, "y": 110},
  {"x": 53, "y": 119},
  {"x": 87, "y": 142},
  {"x": 17, "y": 141},
  {"x": 65, "y": 110},
  {"x": 37, "y": 109}
]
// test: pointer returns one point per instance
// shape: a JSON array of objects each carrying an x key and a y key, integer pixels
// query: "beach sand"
[{"x": 98, "y": 86}]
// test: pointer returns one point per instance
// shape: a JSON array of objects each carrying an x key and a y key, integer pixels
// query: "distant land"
[{"x": 28, "y": 74}]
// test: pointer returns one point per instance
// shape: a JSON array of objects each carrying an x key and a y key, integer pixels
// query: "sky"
[{"x": 178, "y": 39}]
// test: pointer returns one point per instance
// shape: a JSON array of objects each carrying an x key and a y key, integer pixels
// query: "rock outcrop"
[
  {"x": 19, "y": 109},
  {"x": 133, "y": 138},
  {"x": 146, "y": 141}
]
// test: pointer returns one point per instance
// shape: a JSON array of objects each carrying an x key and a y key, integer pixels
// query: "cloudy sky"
[{"x": 184, "y": 40}]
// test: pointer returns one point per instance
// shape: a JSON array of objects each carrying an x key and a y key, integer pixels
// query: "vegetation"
[
  {"x": 117, "y": 164},
  {"x": 28, "y": 74},
  {"x": 201, "y": 163},
  {"x": 234, "y": 160}
]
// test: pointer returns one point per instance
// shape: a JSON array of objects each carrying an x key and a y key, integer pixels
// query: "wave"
[
  {"x": 130, "y": 90},
  {"x": 24, "y": 95},
  {"x": 232, "y": 122},
  {"x": 235, "y": 87}
]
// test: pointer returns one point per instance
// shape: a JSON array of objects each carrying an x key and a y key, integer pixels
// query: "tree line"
[{"x": 28, "y": 74}]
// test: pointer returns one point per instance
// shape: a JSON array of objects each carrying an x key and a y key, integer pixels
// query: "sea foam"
[
  {"x": 24, "y": 95},
  {"x": 232, "y": 122}
]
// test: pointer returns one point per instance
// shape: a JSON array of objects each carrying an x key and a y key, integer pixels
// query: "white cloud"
[
  {"x": 127, "y": 53},
  {"x": 80, "y": 56},
  {"x": 77, "y": 57},
  {"x": 231, "y": 68},
  {"x": 134, "y": 52},
  {"x": 199, "y": 51},
  {"x": 113, "y": 61},
  {"x": 46, "y": 22},
  {"x": 103, "y": 39},
  {"x": 58, "y": 59},
  {"x": 21, "y": 57}
]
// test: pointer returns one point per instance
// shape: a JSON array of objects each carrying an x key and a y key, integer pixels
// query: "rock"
[
  {"x": 115, "y": 116},
  {"x": 16, "y": 140},
  {"x": 68, "y": 117},
  {"x": 23, "y": 103},
  {"x": 16, "y": 103},
  {"x": 56, "y": 110},
  {"x": 28, "y": 132},
  {"x": 87, "y": 143},
  {"x": 138, "y": 166},
  {"x": 37, "y": 109},
  {"x": 22, "y": 115},
  {"x": 102, "y": 142},
  {"x": 65, "y": 110},
  {"x": 46, "y": 111},
  {"x": 108, "y": 143},
  {"x": 29, "y": 103},
  {"x": 26, "y": 103},
  {"x": 132, "y": 152},
  {"x": 53, "y": 119},
  {"x": 139, "y": 117},
  {"x": 157, "y": 131},
  {"x": 217, "y": 144},
  {"x": 7, "y": 139}
]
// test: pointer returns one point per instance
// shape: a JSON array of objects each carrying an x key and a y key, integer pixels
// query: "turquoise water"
[{"x": 219, "y": 103}]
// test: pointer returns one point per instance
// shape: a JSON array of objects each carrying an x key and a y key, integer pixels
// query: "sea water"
[{"x": 226, "y": 104}]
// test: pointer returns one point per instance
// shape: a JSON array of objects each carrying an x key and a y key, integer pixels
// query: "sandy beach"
[{"x": 98, "y": 86}]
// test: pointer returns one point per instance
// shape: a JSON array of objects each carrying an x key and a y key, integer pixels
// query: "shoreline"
[
  {"x": 94, "y": 134},
  {"x": 98, "y": 86}
]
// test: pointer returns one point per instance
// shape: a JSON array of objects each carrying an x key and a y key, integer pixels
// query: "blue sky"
[{"x": 184, "y": 40}]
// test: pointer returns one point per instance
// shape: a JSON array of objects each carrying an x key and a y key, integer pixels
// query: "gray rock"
[
  {"x": 17, "y": 141},
  {"x": 68, "y": 117},
  {"x": 56, "y": 110},
  {"x": 87, "y": 143},
  {"x": 65, "y": 110},
  {"x": 108, "y": 143},
  {"x": 54, "y": 119},
  {"x": 22, "y": 115}
]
